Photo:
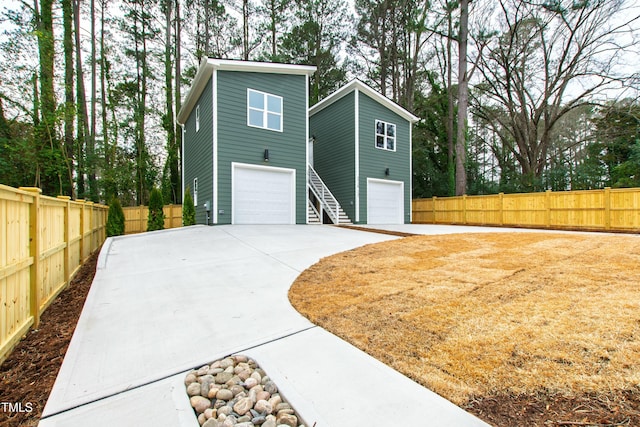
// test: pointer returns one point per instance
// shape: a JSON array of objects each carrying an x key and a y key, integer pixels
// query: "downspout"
[
  {"x": 214, "y": 100},
  {"x": 357, "y": 154}
]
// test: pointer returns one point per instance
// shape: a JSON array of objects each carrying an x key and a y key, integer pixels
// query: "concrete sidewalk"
[{"x": 163, "y": 303}]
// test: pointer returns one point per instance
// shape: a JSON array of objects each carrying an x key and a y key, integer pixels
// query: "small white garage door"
[
  {"x": 263, "y": 195},
  {"x": 385, "y": 202}
]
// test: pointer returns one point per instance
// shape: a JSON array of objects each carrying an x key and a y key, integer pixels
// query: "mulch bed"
[
  {"x": 620, "y": 408},
  {"x": 28, "y": 374}
]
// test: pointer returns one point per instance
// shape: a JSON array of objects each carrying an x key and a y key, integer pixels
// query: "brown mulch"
[
  {"x": 620, "y": 408},
  {"x": 28, "y": 374}
]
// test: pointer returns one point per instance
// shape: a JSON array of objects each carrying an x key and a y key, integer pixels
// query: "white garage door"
[
  {"x": 263, "y": 195},
  {"x": 385, "y": 202}
]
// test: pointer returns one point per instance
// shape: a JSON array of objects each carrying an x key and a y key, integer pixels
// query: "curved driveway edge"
[{"x": 163, "y": 303}]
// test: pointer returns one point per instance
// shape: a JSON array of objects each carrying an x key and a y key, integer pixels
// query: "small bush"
[
  {"x": 156, "y": 214},
  {"x": 188, "y": 209},
  {"x": 115, "y": 219}
]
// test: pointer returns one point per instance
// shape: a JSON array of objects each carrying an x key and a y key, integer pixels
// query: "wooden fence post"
[
  {"x": 433, "y": 207},
  {"x": 91, "y": 240},
  {"x": 547, "y": 208},
  {"x": 501, "y": 197},
  {"x": 82, "y": 242},
  {"x": 607, "y": 208},
  {"x": 34, "y": 253},
  {"x": 464, "y": 208},
  {"x": 67, "y": 239}
]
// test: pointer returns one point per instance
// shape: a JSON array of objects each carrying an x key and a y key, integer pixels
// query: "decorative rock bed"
[{"x": 234, "y": 391}]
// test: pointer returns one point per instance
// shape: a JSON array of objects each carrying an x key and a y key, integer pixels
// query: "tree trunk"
[
  {"x": 451, "y": 168},
  {"x": 245, "y": 30},
  {"x": 463, "y": 101},
  {"x": 178, "y": 139},
  {"x": 91, "y": 143},
  {"x": 45, "y": 132},
  {"x": 83, "y": 119},
  {"x": 172, "y": 157},
  {"x": 108, "y": 185},
  {"x": 69, "y": 107}
]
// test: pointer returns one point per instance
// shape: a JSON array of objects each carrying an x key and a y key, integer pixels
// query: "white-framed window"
[
  {"x": 385, "y": 135},
  {"x": 264, "y": 110},
  {"x": 195, "y": 191},
  {"x": 197, "y": 118}
]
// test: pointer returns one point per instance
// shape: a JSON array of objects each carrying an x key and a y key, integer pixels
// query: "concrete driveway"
[{"x": 163, "y": 303}]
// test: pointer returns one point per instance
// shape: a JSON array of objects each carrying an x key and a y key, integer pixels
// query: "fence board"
[
  {"x": 606, "y": 210},
  {"x": 136, "y": 218},
  {"x": 41, "y": 248}
]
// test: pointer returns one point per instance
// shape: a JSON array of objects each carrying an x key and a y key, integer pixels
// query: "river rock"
[
  {"x": 193, "y": 389},
  {"x": 191, "y": 378},
  {"x": 224, "y": 394},
  {"x": 270, "y": 386},
  {"x": 243, "y": 405},
  {"x": 288, "y": 420},
  {"x": 200, "y": 403},
  {"x": 223, "y": 377},
  {"x": 211, "y": 422},
  {"x": 263, "y": 407}
]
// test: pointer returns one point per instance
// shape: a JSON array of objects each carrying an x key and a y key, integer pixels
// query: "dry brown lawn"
[{"x": 477, "y": 315}]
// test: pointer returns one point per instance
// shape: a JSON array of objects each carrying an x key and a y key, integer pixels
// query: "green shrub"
[
  {"x": 115, "y": 219},
  {"x": 156, "y": 214},
  {"x": 188, "y": 209}
]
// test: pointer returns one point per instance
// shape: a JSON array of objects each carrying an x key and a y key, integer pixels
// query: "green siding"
[
  {"x": 198, "y": 152},
  {"x": 374, "y": 161},
  {"x": 240, "y": 143},
  {"x": 334, "y": 150}
]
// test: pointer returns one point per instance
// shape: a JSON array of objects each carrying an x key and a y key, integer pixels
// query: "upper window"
[
  {"x": 385, "y": 135},
  {"x": 197, "y": 118},
  {"x": 264, "y": 110}
]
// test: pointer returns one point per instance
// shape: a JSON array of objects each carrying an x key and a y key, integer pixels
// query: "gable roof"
[
  {"x": 207, "y": 65},
  {"x": 367, "y": 90}
]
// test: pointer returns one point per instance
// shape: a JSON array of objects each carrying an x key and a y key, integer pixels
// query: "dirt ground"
[
  {"x": 521, "y": 329},
  {"x": 28, "y": 374}
]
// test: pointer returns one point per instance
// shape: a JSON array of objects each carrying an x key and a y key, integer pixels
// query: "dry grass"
[{"x": 487, "y": 314}]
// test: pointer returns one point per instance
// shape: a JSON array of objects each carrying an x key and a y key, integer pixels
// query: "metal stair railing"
[
  {"x": 315, "y": 211},
  {"x": 326, "y": 198}
]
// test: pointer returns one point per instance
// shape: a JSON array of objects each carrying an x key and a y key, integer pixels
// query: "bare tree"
[
  {"x": 550, "y": 58},
  {"x": 463, "y": 100}
]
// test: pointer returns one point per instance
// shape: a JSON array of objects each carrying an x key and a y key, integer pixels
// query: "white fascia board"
[
  {"x": 367, "y": 90},
  {"x": 207, "y": 65},
  {"x": 262, "y": 67}
]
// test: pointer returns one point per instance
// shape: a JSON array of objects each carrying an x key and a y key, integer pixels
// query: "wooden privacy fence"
[
  {"x": 599, "y": 210},
  {"x": 136, "y": 217},
  {"x": 43, "y": 242}
]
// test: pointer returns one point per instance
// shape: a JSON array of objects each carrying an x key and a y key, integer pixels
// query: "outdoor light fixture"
[
  {"x": 266, "y": 155},
  {"x": 386, "y": 172}
]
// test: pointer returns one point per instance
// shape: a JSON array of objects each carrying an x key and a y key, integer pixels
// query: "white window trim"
[
  {"x": 266, "y": 111},
  {"x": 195, "y": 191},
  {"x": 197, "y": 118},
  {"x": 386, "y": 137}
]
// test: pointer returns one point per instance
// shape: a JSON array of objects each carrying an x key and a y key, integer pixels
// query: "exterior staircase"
[{"x": 322, "y": 202}]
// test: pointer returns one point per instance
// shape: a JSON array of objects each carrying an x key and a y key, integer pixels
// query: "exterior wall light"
[
  {"x": 386, "y": 172},
  {"x": 266, "y": 155}
]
